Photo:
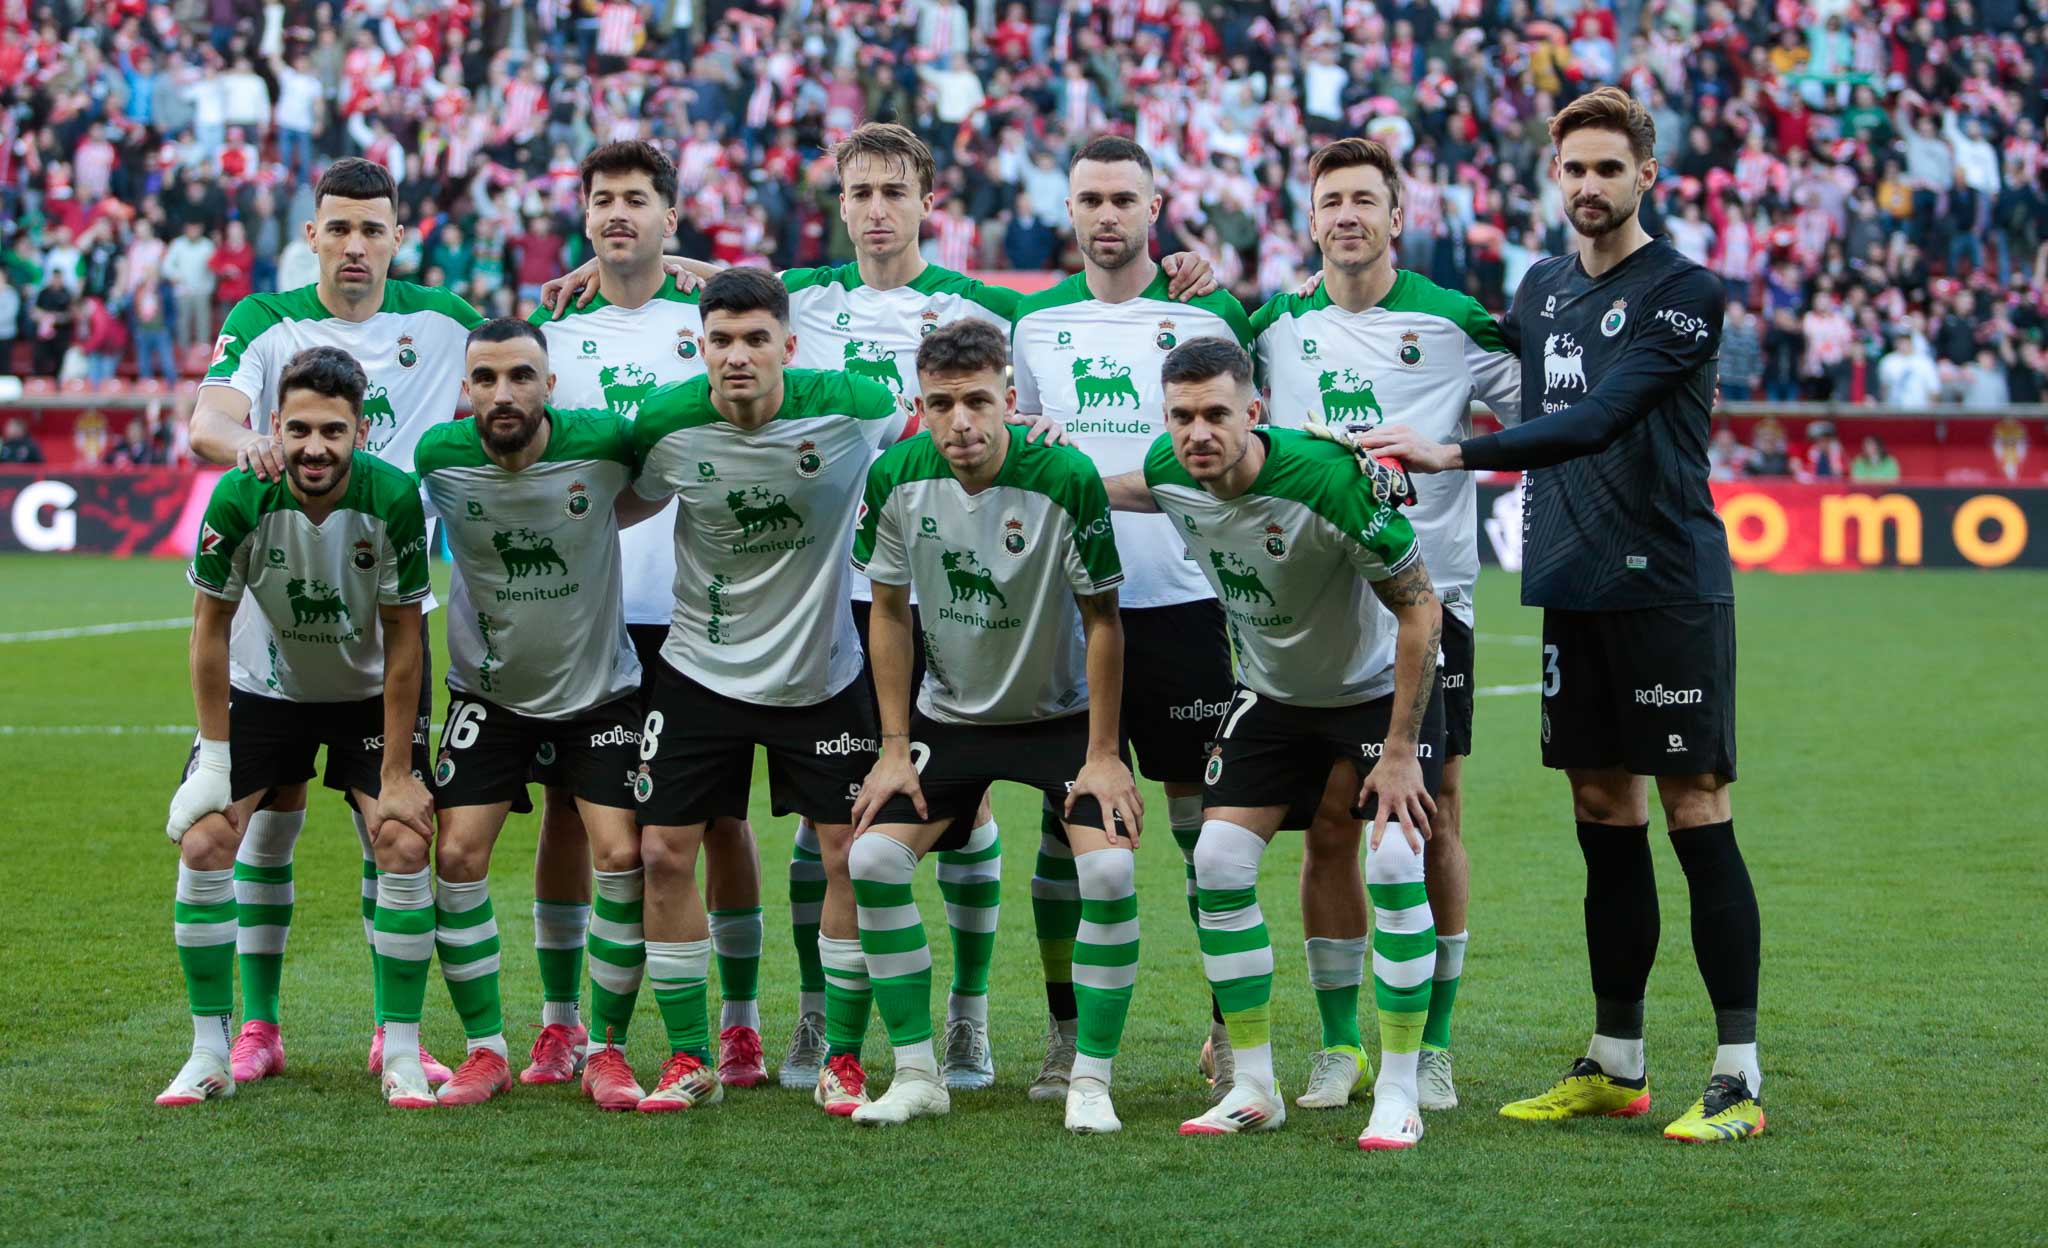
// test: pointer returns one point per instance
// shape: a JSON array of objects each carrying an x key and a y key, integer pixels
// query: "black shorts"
[
  {"x": 862, "y": 611},
  {"x": 1651, "y": 691},
  {"x": 1177, "y": 682},
  {"x": 648, "y": 639},
  {"x": 697, "y": 754},
  {"x": 647, "y": 642},
  {"x": 1268, "y": 753},
  {"x": 489, "y": 752},
  {"x": 1459, "y": 656},
  {"x": 957, "y": 762},
  {"x": 273, "y": 743}
]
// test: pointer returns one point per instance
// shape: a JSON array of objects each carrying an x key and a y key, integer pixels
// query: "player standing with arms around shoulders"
[
  {"x": 332, "y": 555},
  {"x": 1625, "y": 555},
  {"x": 408, "y": 341},
  {"x": 640, "y": 331},
  {"x": 1378, "y": 345},
  {"x": 539, "y": 666},
  {"x": 1337, "y": 632},
  {"x": 1009, "y": 544},
  {"x": 1086, "y": 353}
]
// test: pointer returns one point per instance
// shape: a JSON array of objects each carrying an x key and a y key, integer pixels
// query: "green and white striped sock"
[
  {"x": 405, "y": 944},
  {"x": 1056, "y": 913},
  {"x": 806, "y": 908},
  {"x": 1403, "y": 953},
  {"x": 736, "y": 943},
  {"x": 971, "y": 881},
  {"x": 618, "y": 953},
  {"x": 1443, "y": 991},
  {"x": 203, "y": 924},
  {"x": 1105, "y": 957},
  {"x": 466, "y": 937},
  {"x": 369, "y": 895},
  {"x": 1184, "y": 817},
  {"x": 560, "y": 929},
  {"x": 679, "y": 970},
  {"x": 264, "y": 898},
  {"x": 1336, "y": 971},
  {"x": 893, "y": 941},
  {"x": 1237, "y": 952},
  {"x": 849, "y": 995}
]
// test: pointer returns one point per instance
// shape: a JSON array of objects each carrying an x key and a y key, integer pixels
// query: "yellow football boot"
[
  {"x": 1585, "y": 1092},
  {"x": 1728, "y": 1111}
]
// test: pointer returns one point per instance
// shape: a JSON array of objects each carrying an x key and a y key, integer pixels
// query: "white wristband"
[{"x": 213, "y": 755}]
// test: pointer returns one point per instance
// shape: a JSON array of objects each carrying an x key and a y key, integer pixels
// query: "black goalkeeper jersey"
[{"x": 1618, "y": 380}]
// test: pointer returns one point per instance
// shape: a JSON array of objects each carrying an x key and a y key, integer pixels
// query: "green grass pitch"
[{"x": 1889, "y": 805}]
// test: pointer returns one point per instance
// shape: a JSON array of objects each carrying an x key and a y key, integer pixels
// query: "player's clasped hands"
[
  {"x": 893, "y": 775},
  {"x": 1396, "y": 780},
  {"x": 1106, "y": 779}
]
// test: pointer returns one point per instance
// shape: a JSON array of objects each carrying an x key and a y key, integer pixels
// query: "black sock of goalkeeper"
[
  {"x": 1727, "y": 940},
  {"x": 1621, "y": 941}
]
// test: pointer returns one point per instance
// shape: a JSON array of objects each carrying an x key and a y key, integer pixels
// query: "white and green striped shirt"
[
  {"x": 308, "y": 629},
  {"x": 1418, "y": 358},
  {"x": 996, "y": 573},
  {"x": 1290, "y": 559},
  {"x": 535, "y": 621}
]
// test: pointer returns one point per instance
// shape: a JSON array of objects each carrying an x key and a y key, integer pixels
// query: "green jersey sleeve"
[
  {"x": 402, "y": 570},
  {"x": 220, "y": 558},
  {"x": 1380, "y": 543},
  {"x": 1093, "y": 566},
  {"x": 877, "y": 538},
  {"x": 242, "y": 354}
]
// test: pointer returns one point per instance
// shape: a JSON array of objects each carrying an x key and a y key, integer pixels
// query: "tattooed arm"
[{"x": 1397, "y": 778}]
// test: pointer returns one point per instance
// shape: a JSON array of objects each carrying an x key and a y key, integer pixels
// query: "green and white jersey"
[
  {"x": 312, "y": 633},
  {"x": 1417, "y": 358},
  {"x": 842, "y": 324},
  {"x": 767, "y": 518},
  {"x": 996, "y": 572},
  {"x": 1290, "y": 559},
  {"x": 606, "y": 356},
  {"x": 536, "y": 623},
  {"x": 411, "y": 349},
  {"x": 1094, "y": 366}
]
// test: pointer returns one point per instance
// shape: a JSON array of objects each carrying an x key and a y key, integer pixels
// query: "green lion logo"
[
  {"x": 973, "y": 582},
  {"x": 625, "y": 387},
  {"x": 1102, "y": 382},
  {"x": 873, "y": 361},
  {"x": 377, "y": 408},
  {"x": 766, "y": 511},
  {"x": 1239, "y": 581},
  {"x": 1347, "y": 396},
  {"x": 314, "y": 602},
  {"x": 527, "y": 553}
]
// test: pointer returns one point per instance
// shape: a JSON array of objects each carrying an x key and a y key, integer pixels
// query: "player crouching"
[
  {"x": 334, "y": 559},
  {"x": 1008, "y": 544},
  {"x": 1291, "y": 536}
]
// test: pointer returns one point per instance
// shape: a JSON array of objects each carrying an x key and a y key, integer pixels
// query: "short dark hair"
[
  {"x": 744, "y": 288},
  {"x": 1110, "y": 149},
  {"x": 1199, "y": 359},
  {"x": 1350, "y": 153},
  {"x": 632, "y": 156},
  {"x": 352, "y": 177},
  {"x": 328, "y": 371},
  {"x": 507, "y": 329},
  {"x": 887, "y": 141},
  {"x": 968, "y": 345}
]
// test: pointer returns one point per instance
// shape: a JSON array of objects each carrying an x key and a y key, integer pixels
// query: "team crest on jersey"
[
  {"x": 407, "y": 357},
  {"x": 444, "y": 771},
  {"x": 1411, "y": 349},
  {"x": 1013, "y": 537},
  {"x": 686, "y": 345},
  {"x": 1276, "y": 541},
  {"x": 927, "y": 323},
  {"x": 1214, "y": 771},
  {"x": 579, "y": 501},
  {"x": 365, "y": 556},
  {"x": 643, "y": 784},
  {"x": 808, "y": 462},
  {"x": 1617, "y": 316},
  {"x": 1165, "y": 339}
]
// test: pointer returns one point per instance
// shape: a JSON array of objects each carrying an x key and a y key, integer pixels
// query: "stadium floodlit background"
[{"x": 1868, "y": 180}]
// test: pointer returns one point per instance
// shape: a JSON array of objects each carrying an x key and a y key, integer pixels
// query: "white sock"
[
  {"x": 1740, "y": 1059},
  {"x": 561, "y": 1014},
  {"x": 1086, "y": 1067},
  {"x": 974, "y": 1009},
  {"x": 1397, "y": 1075},
  {"x": 917, "y": 1057},
  {"x": 495, "y": 1044},
  {"x": 1621, "y": 1058},
  {"x": 739, "y": 1014},
  {"x": 1450, "y": 955},
  {"x": 810, "y": 1002},
  {"x": 403, "y": 1039},
  {"x": 210, "y": 1034}
]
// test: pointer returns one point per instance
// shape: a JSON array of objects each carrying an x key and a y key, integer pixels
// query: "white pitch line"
[
  {"x": 1509, "y": 639},
  {"x": 1496, "y": 691},
  {"x": 98, "y": 630}
]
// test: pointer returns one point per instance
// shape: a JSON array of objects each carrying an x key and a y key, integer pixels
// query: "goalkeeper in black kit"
[{"x": 1625, "y": 555}]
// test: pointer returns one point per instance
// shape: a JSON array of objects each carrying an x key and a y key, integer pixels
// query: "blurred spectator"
[
  {"x": 51, "y": 316},
  {"x": 1742, "y": 356},
  {"x": 187, "y": 267},
  {"x": 1826, "y": 458},
  {"x": 2009, "y": 445},
  {"x": 1907, "y": 377},
  {"x": 102, "y": 337},
  {"x": 17, "y": 447},
  {"x": 1983, "y": 381},
  {"x": 151, "y": 314},
  {"x": 136, "y": 449},
  {"x": 1727, "y": 458},
  {"x": 1874, "y": 463},
  {"x": 10, "y": 320},
  {"x": 1768, "y": 456},
  {"x": 233, "y": 265},
  {"x": 1028, "y": 242}
]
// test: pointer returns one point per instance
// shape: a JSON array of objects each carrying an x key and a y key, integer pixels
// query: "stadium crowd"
[{"x": 1867, "y": 178}]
